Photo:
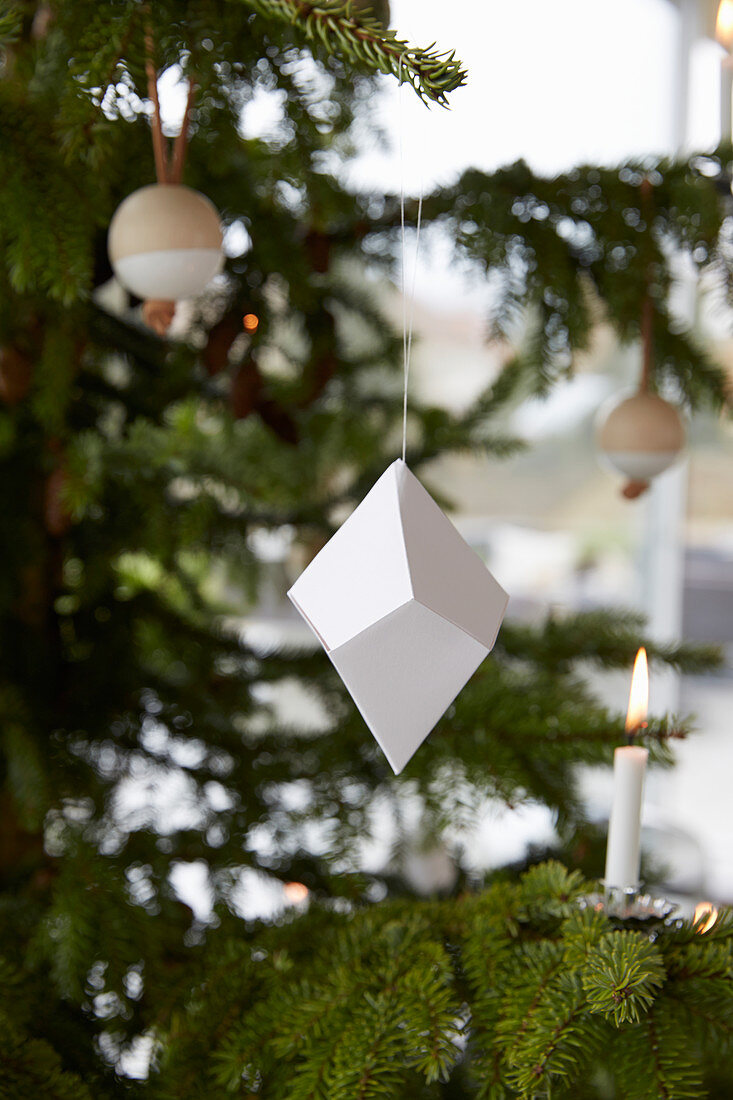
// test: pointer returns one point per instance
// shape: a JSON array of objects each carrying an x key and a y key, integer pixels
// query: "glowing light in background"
[
  {"x": 705, "y": 916},
  {"x": 724, "y": 24},
  {"x": 251, "y": 322},
  {"x": 296, "y": 893}
]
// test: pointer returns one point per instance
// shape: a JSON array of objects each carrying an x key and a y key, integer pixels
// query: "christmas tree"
[{"x": 141, "y": 473}]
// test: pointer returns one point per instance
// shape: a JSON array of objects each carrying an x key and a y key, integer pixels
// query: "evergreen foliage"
[
  {"x": 138, "y": 479},
  {"x": 361, "y": 37},
  {"x": 590, "y": 244},
  {"x": 516, "y": 991}
]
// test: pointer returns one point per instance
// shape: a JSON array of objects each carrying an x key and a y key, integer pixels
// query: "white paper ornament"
[
  {"x": 640, "y": 436},
  {"x": 404, "y": 608},
  {"x": 165, "y": 242}
]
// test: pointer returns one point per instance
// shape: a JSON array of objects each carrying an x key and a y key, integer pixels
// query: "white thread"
[
  {"x": 406, "y": 329},
  {"x": 409, "y": 331}
]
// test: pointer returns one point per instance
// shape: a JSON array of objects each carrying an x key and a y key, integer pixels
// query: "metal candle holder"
[{"x": 629, "y": 906}]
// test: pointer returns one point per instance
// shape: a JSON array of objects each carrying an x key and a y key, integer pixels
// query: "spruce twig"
[{"x": 363, "y": 40}]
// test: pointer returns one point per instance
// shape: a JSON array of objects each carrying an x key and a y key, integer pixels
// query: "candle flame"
[
  {"x": 724, "y": 24},
  {"x": 705, "y": 917},
  {"x": 639, "y": 694}
]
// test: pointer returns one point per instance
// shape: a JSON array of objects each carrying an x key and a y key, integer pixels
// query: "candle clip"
[{"x": 628, "y": 904}]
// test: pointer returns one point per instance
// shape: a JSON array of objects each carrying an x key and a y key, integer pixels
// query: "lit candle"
[
  {"x": 724, "y": 24},
  {"x": 623, "y": 855}
]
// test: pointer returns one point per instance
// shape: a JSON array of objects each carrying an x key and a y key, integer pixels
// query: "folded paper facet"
[{"x": 404, "y": 608}]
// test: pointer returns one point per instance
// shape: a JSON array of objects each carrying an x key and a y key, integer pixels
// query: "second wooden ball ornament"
[{"x": 640, "y": 436}]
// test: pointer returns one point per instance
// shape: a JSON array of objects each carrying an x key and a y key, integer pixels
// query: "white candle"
[{"x": 623, "y": 854}]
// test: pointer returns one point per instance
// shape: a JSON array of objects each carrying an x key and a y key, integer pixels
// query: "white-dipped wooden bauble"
[
  {"x": 165, "y": 242},
  {"x": 640, "y": 436}
]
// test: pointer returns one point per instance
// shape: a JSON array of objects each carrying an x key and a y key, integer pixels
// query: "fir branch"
[
  {"x": 549, "y": 992},
  {"x": 362, "y": 40},
  {"x": 623, "y": 976},
  {"x": 11, "y": 27}
]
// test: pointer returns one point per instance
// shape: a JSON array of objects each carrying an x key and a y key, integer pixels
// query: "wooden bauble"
[
  {"x": 640, "y": 436},
  {"x": 165, "y": 242}
]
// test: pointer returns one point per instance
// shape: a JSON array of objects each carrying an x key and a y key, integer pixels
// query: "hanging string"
[
  {"x": 635, "y": 486},
  {"x": 158, "y": 313},
  {"x": 407, "y": 322},
  {"x": 647, "y": 342},
  {"x": 647, "y": 305},
  {"x": 161, "y": 166},
  {"x": 168, "y": 165}
]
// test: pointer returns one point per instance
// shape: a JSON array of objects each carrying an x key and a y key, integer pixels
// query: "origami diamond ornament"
[{"x": 404, "y": 608}]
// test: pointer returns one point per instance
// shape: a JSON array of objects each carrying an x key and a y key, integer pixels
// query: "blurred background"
[{"x": 596, "y": 83}]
